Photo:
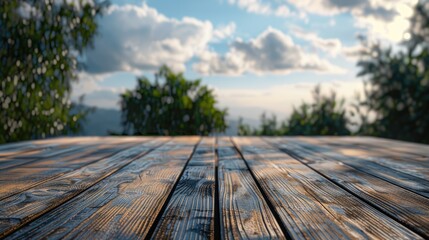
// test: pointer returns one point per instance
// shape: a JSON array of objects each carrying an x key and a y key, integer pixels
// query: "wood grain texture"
[
  {"x": 39, "y": 148},
  {"x": 190, "y": 211},
  {"x": 24, "y": 207},
  {"x": 395, "y": 146},
  {"x": 219, "y": 188},
  {"x": 311, "y": 206},
  {"x": 244, "y": 211},
  {"x": 18, "y": 179},
  {"x": 413, "y": 164},
  {"x": 406, "y": 207},
  {"x": 386, "y": 170},
  {"x": 123, "y": 205}
]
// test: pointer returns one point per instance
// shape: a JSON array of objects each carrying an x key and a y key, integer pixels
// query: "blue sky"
[{"x": 257, "y": 55}]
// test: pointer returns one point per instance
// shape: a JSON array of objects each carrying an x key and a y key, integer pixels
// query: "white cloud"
[
  {"x": 224, "y": 32},
  {"x": 383, "y": 19},
  {"x": 333, "y": 46},
  {"x": 135, "y": 38},
  {"x": 272, "y": 52},
  {"x": 263, "y": 7},
  {"x": 253, "y": 6}
]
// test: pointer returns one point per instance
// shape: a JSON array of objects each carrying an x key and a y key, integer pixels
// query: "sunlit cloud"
[
  {"x": 268, "y": 8},
  {"x": 380, "y": 18},
  {"x": 137, "y": 38},
  {"x": 272, "y": 52}
]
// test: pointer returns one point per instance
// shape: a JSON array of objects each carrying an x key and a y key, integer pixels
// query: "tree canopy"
[
  {"x": 397, "y": 84},
  {"x": 171, "y": 105},
  {"x": 325, "y": 116},
  {"x": 39, "y": 46}
]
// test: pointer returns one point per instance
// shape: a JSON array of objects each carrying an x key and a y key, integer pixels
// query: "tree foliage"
[
  {"x": 39, "y": 46},
  {"x": 325, "y": 116},
  {"x": 172, "y": 105},
  {"x": 397, "y": 85}
]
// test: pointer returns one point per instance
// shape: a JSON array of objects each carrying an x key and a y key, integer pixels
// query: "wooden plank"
[
  {"x": 384, "y": 171},
  {"x": 311, "y": 206},
  {"x": 417, "y": 166},
  {"x": 18, "y": 179},
  {"x": 415, "y": 151},
  {"x": 24, "y": 207},
  {"x": 408, "y": 208},
  {"x": 38, "y": 147},
  {"x": 123, "y": 205},
  {"x": 388, "y": 154},
  {"x": 190, "y": 212},
  {"x": 65, "y": 152},
  {"x": 244, "y": 212}
]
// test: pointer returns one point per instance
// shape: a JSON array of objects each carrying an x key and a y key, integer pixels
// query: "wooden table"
[{"x": 217, "y": 188}]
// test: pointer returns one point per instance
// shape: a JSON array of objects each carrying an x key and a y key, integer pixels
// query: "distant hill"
[{"x": 103, "y": 120}]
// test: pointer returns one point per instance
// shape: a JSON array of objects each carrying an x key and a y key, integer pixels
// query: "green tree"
[
  {"x": 172, "y": 105},
  {"x": 243, "y": 128},
  {"x": 397, "y": 85},
  {"x": 40, "y": 42},
  {"x": 326, "y": 116},
  {"x": 267, "y": 127}
]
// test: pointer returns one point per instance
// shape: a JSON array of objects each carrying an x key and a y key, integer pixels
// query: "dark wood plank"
[
  {"x": 390, "y": 172},
  {"x": 65, "y": 152},
  {"x": 190, "y": 211},
  {"x": 24, "y": 207},
  {"x": 123, "y": 205},
  {"x": 244, "y": 212},
  {"x": 22, "y": 178},
  {"x": 310, "y": 205},
  {"x": 411, "y": 209}
]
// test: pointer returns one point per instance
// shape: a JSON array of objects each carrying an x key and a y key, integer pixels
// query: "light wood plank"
[
  {"x": 410, "y": 209},
  {"x": 24, "y": 207},
  {"x": 123, "y": 205},
  {"x": 310, "y": 205},
  {"x": 413, "y": 164},
  {"x": 244, "y": 212},
  {"x": 415, "y": 151},
  {"x": 358, "y": 161},
  {"x": 190, "y": 211}
]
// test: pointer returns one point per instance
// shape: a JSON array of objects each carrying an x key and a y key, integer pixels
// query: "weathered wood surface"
[
  {"x": 384, "y": 168},
  {"x": 30, "y": 174},
  {"x": 214, "y": 188},
  {"x": 190, "y": 211},
  {"x": 245, "y": 212},
  {"x": 311, "y": 205},
  {"x": 401, "y": 204},
  {"x": 25, "y": 206}
]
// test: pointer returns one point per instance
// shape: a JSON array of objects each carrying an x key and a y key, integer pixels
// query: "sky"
[{"x": 258, "y": 56}]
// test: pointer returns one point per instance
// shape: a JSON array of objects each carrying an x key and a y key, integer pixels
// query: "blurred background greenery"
[{"x": 40, "y": 46}]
